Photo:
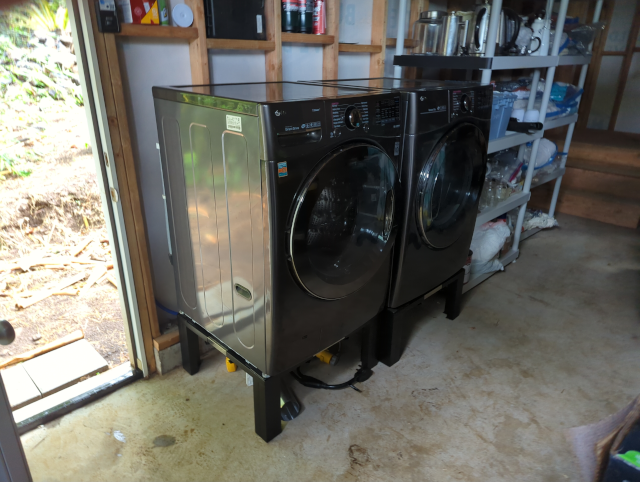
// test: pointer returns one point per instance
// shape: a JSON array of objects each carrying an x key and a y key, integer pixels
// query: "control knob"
[
  {"x": 466, "y": 105},
  {"x": 352, "y": 117}
]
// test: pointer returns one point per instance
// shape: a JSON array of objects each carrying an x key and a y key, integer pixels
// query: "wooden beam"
[
  {"x": 198, "y": 53},
  {"x": 626, "y": 65},
  {"x": 305, "y": 38},
  {"x": 372, "y": 49},
  {"x": 165, "y": 341},
  {"x": 330, "y": 51},
  {"x": 233, "y": 44},
  {"x": 129, "y": 195},
  {"x": 273, "y": 58},
  {"x": 408, "y": 42},
  {"x": 378, "y": 37},
  {"x": 134, "y": 30}
]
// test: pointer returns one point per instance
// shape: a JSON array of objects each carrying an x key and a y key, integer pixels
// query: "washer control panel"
[
  {"x": 462, "y": 103},
  {"x": 377, "y": 116},
  {"x": 350, "y": 116}
]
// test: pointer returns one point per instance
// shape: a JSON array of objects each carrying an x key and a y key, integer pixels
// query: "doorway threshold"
[{"x": 65, "y": 401}]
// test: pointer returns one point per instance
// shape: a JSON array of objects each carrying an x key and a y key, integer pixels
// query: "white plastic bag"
[{"x": 488, "y": 240}]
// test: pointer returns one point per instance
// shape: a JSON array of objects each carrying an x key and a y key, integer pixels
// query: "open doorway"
[{"x": 58, "y": 287}]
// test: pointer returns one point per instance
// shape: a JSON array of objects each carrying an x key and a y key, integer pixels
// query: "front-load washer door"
[
  {"x": 449, "y": 186},
  {"x": 341, "y": 227}
]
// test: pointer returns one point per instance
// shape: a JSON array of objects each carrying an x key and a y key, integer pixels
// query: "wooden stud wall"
[
  {"x": 110, "y": 74},
  {"x": 129, "y": 193}
]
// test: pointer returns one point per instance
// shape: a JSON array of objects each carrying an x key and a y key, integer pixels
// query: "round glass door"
[
  {"x": 341, "y": 228},
  {"x": 450, "y": 184}
]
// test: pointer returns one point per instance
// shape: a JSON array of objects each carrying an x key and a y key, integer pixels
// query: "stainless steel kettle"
[{"x": 508, "y": 29}]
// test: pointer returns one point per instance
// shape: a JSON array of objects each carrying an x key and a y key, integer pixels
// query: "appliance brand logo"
[
  {"x": 278, "y": 113},
  {"x": 422, "y": 97}
]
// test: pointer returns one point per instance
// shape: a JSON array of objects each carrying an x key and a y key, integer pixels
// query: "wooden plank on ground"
[
  {"x": 82, "y": 246},
  {"x": 65, "y": 340},
  {"x": 97, "y": 273},
  {"x": 65, "y": 283}
]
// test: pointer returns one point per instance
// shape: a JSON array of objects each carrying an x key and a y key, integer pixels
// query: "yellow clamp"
[{"x": 231, "y": 367}]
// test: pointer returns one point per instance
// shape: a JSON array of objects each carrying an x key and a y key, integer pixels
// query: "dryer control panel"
[{"x": 471, "y": 102}]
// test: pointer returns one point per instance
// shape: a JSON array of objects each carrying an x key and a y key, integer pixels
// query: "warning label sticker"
[{"x": 234, "y": 123}]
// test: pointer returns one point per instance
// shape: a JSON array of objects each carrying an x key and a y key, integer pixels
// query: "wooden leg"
[
  {"x": 190, "y": 348},
  {"x": 453, "y": 292},
  {"x": 266, "y": 407},
  {"x": 368, "y": 354}
]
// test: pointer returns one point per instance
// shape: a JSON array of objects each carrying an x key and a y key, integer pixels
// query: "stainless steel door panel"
[
  {"x": 217, "y": 220},
  {"x": 238, "y": 195},
  {"x": 202, "y": 200},
  {"x": 176, "y": 179}
]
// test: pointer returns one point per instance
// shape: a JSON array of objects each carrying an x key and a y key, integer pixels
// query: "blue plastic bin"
[{"x": 501, "y": 112}]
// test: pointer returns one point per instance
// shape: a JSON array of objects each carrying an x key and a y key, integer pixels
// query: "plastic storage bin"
[{"x": 500, "y": 113}]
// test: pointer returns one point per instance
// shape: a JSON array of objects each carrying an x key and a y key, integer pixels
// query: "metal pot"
[{"x": 427, "y": 32}]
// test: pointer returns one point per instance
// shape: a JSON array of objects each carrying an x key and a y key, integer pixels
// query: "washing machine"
[
  {"x": 443, "y": 167},
  {"x": 280, "y": 199}
]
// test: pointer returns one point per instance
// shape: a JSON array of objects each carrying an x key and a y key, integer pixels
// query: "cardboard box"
[{"x": 138, "y": 11}]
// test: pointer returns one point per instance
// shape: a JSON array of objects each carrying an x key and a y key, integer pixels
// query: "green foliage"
[
  {"x": 8, "y": 165},
  {"x": 49, "y": 16}
]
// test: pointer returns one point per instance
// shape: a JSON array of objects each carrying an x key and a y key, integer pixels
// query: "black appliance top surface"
[
  {"x": 392, "y": 84},
  {"x": 265, "y": 92}
]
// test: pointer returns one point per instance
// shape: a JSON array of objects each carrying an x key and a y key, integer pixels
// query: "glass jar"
[{"x": 427, "y": 32}]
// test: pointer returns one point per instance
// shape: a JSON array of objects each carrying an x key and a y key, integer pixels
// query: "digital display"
[{"x": 388, "y": 111}]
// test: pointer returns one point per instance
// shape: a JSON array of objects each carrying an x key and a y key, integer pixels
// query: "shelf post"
[
  {"x": 569, "y": 136},
  {"x": 402, "y": 27},
  {"x": 548, "y": 84},
  {"x": 490, "y": 50}
]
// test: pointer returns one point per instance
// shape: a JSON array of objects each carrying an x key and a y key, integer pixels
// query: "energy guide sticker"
[{"x": 234, "y": 123}]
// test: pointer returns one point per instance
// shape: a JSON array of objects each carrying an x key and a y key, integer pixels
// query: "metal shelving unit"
[
  {"x": 514, "y": 201},
  {"x": 487, "y": 64}
]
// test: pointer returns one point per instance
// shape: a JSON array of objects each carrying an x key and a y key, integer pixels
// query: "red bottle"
[{"x": 319, "y": 17}]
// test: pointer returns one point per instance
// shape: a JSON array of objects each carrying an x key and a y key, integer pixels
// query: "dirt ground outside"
[{"x": 48, "y": 216}]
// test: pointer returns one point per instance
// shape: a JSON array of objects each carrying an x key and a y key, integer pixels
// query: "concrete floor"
[{"x": 552, "y": 343}]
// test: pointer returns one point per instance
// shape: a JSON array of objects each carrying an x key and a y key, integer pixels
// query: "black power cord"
[{"x": 362, "y": 375}]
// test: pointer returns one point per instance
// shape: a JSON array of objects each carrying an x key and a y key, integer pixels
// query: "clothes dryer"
[{"x": 442, "y": 172}]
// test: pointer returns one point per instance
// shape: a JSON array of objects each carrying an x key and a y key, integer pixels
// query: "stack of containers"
[{"x": 500, "y": 114}]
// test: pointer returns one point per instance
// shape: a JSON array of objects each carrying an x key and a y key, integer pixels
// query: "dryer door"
[
  {"x": 341, "y": 227},
  {"x": 450, "y": 184}
]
